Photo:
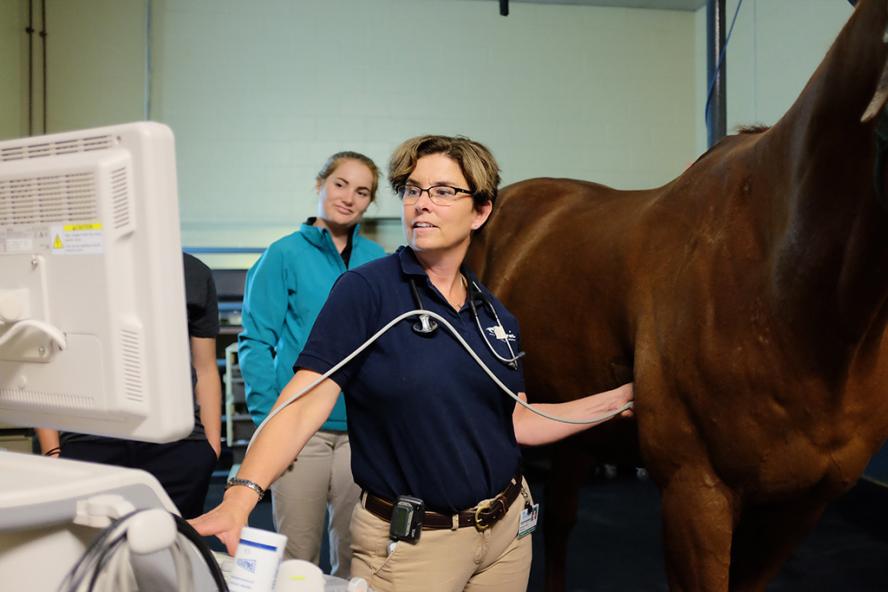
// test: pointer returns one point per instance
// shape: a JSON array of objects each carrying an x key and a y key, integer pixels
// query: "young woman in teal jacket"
[{"x": 285, "y": 290}]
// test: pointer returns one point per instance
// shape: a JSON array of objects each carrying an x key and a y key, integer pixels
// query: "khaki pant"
[
  {"x": 320, "y": 480},
  {"x": 494, "y": 560}
]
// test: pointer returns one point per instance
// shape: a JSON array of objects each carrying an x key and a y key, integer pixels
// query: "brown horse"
[{"x": 749, "y": 299}]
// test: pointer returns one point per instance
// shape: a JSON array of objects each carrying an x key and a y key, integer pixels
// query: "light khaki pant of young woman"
[{"x": 319, "y": 481}]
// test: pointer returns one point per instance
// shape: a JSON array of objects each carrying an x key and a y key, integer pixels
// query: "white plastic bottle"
[
  {"x": 358, "y": 585},
  {"x": 296, "y": 575},
  {"x": 256, "y": 561}
]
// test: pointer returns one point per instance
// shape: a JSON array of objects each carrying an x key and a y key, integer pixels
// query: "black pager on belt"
[{"x": 406, "y": 522}]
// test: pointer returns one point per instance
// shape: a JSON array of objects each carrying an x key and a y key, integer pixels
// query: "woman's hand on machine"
[{"x": 227, "y": 519}]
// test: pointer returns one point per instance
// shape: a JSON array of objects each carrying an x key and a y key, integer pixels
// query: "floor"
[{"x": 616, "y": 545}]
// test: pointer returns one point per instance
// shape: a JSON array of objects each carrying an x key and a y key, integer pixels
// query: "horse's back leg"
[{"x": 571, "y": 464}]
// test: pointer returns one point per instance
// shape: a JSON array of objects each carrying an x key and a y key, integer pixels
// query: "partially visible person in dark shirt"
[{"x": 183, "y": 467}]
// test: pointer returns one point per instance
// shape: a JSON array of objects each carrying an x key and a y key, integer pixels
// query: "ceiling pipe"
[
  {"x": 30, "y": 31},
  {"x": 717, "y": 117}
]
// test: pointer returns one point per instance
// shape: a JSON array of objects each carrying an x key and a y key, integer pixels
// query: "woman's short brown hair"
[
  {"x": 478, "y": 165},
  {"x": 336, "y": 159}
]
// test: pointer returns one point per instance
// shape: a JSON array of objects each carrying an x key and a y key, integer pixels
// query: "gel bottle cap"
[
  {"x": 296, "y": 575},
  {"x": 358, "y": 585}
]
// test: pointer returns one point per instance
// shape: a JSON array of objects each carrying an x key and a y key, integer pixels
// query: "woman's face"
[
  {"x": 432, "y": 227},
  {"x": 344, "y": 195}
]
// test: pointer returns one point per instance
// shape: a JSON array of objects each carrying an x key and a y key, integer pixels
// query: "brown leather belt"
[{"x": 482, "y": 516}]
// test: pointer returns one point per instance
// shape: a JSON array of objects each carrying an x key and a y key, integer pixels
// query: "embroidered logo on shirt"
[{"x": 500, "y": 333}]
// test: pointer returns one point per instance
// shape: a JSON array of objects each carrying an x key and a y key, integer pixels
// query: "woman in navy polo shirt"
[{"x": 424, "y": 420}]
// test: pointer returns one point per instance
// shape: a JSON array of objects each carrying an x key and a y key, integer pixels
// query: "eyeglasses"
[{"x": 442, "y": 195}]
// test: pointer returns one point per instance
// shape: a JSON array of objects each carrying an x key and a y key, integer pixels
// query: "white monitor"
[{"x": 93, "y": 335}]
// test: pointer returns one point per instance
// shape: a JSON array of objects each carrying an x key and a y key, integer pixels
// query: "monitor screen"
[{"x": 93, "y": 334}]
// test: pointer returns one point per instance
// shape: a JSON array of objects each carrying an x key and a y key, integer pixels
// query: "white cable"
[
  {"x": 115, "y": 564},
  {"x": 115, "y": 573},
  {"x": 116, "y": 577},
  {"x": 488, "y": 371},
  {"x": 184, "y": 575},
  {"x": 79, "y": 574},
  {"x": 54, "y": 334}
]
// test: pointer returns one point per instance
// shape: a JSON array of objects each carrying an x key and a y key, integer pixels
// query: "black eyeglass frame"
[{"x": 428, "y": 190}]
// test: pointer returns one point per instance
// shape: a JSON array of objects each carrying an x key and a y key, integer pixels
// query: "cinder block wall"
[{"x": 260, "y": 93}]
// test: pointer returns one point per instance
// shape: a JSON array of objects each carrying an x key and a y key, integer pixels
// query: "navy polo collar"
[
  {"x": 409, "y": 263},
  {"x": 410, "y": 266}
]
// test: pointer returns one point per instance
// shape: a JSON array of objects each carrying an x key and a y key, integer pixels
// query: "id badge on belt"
[{"x": 529, "y": 516}]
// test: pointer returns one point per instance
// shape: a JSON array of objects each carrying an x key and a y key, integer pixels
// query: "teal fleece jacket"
[{"x": 284, "y": 292}]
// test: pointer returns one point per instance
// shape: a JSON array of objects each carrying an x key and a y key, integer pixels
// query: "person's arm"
[
  {"x": 348, "y": 315},
  {"x": 208, "y": 389},
  {"x": 49, "y": 441},
  {"x": 264, "y": 313},
  {"x": 279, "y": 442},
  {"x": 534, "y": 430}
]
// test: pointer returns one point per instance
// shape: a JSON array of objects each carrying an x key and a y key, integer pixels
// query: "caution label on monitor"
[{"x": 76, "y": 239}]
